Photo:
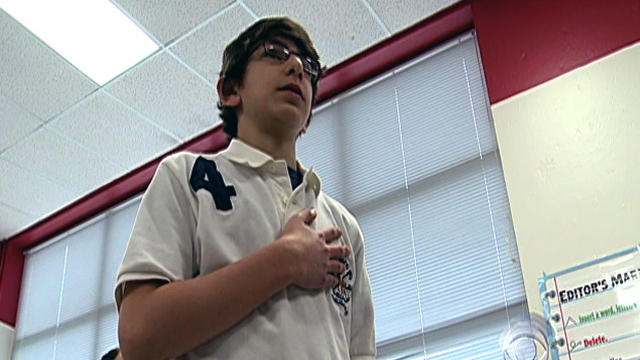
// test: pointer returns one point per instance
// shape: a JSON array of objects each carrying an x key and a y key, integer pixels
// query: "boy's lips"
[{"x": 292, "y": 88}]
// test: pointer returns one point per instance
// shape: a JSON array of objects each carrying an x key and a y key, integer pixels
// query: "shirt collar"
[{"x": 245, "y": 154}]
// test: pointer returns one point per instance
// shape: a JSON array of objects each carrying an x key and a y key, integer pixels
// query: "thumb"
[{"x": 308, "y": 215}]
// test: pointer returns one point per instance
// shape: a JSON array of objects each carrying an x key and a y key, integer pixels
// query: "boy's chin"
[{"x": 290, "y": 117}]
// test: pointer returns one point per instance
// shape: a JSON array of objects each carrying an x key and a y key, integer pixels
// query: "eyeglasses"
[{"x": 281, "y": 52}]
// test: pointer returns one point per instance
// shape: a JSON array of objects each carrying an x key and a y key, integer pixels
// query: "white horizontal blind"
[
  {"x": 67, "y": 308},
  {"x": 413, "y": 155}
]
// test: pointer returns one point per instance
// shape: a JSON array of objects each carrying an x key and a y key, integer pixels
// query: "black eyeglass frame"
[{"x": 279, "y": 51}]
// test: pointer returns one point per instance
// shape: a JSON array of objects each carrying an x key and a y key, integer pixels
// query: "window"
[
  {"x": 413, "y": 155},
  {"x": 67, "y": 306}
]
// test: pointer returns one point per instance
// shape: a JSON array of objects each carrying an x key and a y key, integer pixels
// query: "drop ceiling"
[{"x": 62, "y": 135}]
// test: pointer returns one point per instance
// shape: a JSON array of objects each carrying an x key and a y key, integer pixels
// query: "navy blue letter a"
[{"x": 205, "y": 175}]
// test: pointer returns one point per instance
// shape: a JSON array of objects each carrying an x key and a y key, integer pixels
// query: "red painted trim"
[
  {"x": 353, "y": 71},
  {"x": 527, "y": 43},
  {"x": 395, "y": 50},
  {"x": 110, "y": 194},
  {"x": 11, "y": 266}
]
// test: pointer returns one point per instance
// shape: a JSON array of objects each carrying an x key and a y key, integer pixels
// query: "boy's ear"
[
  {"x": 306, "y": 125},
  {"x": 227, "y": 92}
]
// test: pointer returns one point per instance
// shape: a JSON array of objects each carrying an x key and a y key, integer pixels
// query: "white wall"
[
  {"x": 6, "y": 341},
  {"x": 570, "y": 151}
]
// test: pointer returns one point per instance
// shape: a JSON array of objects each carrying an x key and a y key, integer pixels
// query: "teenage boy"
[{"x": 240, "y": 255}]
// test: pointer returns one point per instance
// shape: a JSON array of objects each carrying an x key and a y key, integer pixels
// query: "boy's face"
[{"x": 276, "y": 94}]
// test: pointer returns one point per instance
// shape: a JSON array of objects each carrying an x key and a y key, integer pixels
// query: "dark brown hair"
[
  {"x": 236, "y": 57},
  {"x": 111, "y": 354}
]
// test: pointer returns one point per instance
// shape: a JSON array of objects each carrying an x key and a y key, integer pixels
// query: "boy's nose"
[{"x": 294, "y": 66}]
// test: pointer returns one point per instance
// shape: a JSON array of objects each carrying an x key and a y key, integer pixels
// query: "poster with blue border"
[{"x": 593, "y": 309}]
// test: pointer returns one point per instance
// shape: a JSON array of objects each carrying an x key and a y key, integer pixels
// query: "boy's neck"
[{"x": 277, "y": 148}]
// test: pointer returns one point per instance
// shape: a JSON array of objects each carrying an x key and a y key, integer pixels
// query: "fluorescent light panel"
[{"x": 93, "y": 35}]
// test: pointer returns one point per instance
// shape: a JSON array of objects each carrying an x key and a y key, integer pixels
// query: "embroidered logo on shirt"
[
  {"x": 205, "y": 175},
  {"x": 341, "y": 293}
]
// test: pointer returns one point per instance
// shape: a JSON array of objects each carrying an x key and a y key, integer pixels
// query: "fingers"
[
  {"x": 330, "y": 280},
  {"x": 330, "y": 234},
  {"x": 308, "y": 215},
  {"x": 336, "y": 267},
  {"x": 338, "y": 251}
]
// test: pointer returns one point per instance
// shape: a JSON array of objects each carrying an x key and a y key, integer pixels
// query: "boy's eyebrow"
[
  {"x": 300, "y": 51},
  {"x": 275, "y": 41}
]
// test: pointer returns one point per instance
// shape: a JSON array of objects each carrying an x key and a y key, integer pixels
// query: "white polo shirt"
[{"x": 203, "y": 212}]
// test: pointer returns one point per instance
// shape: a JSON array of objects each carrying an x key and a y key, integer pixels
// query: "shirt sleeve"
[
  {"x": 161, "y": 243},
  {"x": 363, "y": 338}
]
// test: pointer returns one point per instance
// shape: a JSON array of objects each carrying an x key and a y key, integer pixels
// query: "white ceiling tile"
[
  {"x": 15, "y": 123},
  {"x": 343, "y": 29},
  {"x": 399, "y": 14},
  {"x": 106, "y": 126},
  {"x": 11, "y": 221},
  {"x": 91, "y": 137},
  {"x": 168, "y": 19},
  {"x": 30, "y": 192},
  {"x": 170, "y": 95},
  {"x": 34, "y": 76},
  {"x": 203, "y": 49},
  {"x": 62, "y": 161}
]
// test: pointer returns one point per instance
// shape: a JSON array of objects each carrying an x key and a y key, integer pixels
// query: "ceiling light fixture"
[{"x": 93, "y": 35}]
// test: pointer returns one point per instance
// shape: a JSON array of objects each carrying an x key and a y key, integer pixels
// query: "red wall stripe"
[
  {"x": 110, "y": 194},
  {"x": 522, "y": 43},
  {"x": 395, "y": 50},
  {"x": 343, "y": 76},
  {"x": 526, "y": 43},
  {"x": 11, "y": 266},
  {"x": 376, "y": 60}
]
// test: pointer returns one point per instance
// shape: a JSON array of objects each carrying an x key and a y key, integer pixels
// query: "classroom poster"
[{"x": 593, "y": 310}]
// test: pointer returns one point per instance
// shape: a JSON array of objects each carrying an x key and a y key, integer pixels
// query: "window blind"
[
  {"x": 413, "y": 155},
  {"x": 67, "y": 309}
]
